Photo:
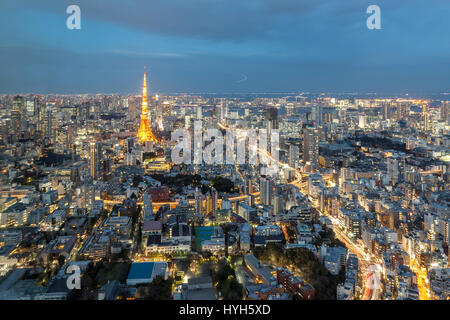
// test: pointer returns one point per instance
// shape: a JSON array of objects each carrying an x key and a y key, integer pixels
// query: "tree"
[
  {"x": 136, "y": 180},
  {"x": 104, "y": 213},
  {"x": 115, "y": 208},
  {"x": 223, "y": 185},
  {"x": 231, "y": 289},
  {"x": 61, "y": 261},
  {"x": 311, "y": 269},
  {"x": 158, "y": 289}
]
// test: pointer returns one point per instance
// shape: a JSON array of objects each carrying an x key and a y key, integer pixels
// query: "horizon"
[{"x": 239, "y": 95}]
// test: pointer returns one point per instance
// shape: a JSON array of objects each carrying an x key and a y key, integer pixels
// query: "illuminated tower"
[{"x": 145, "y": 133}]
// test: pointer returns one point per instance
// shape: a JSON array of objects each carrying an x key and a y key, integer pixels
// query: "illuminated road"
[
  {"x": 175, "y": 203},
  {"x": 372, "y": 283},
  {"x": 371, "y": 270},
  {"x": 422, "y": 280}
]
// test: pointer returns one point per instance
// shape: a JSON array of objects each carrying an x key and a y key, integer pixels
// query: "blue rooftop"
[
  {"x": 141, "y": 270},
  {"x": 204, "y": 233}
]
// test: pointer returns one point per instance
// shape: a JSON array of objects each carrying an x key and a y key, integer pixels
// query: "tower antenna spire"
[{"x": 145, "y": 133}]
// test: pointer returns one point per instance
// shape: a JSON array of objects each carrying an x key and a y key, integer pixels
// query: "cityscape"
[{"x": 158, "y": 195}]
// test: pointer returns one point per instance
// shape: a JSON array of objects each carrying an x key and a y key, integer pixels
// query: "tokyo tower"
[{"x": 145, "y": 133}]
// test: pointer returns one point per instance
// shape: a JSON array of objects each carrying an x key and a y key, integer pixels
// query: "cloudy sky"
[{"x": 225, "y": 46}]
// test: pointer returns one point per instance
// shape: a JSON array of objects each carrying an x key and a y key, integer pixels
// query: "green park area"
[{"x": 304, "y": 262}]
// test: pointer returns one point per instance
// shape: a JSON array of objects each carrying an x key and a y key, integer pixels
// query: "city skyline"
[{"x": 349, "y": 202}]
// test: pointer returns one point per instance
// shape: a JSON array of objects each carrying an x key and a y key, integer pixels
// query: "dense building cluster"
[{"x": 361, "y": 190}]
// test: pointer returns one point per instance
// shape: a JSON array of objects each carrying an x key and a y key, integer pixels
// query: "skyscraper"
[
  {"x": 199, "y": 112},
  {"x": 145, "y": 133},
  {"x": 426, "y": 118},
  {"x": 47, "y": 121},
  {"x": 19, "y": 104},
  {"x": 362, "y": 120},
  {"x": 278, "y": 204},
  {"x": 392, "y": 168},
  {"x": 214, "y": 199},
  {"x": 38, "y": 113},
  {"x": 401, "y": 110},
  {"x": 293, "y": 156},
  {"x": 17, "y": 114},
  {"x": 148, "y": 207},
  {"x": 271, "y": 120},
  {"x": 386, "y": 111},
  {"x": 248, "y": 185},
  {"x": 310, "y": 145},
  {"x": 266, "y": 191},
  {"x": 16, "y": 121},
  {"x": 317, "y": 115},
  {"x": 444, "y": 110},
  {"x": 219, "y": 113},
  {"x": 94, "y": 159}
]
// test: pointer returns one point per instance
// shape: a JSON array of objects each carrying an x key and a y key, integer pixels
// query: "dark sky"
[{"x": 241, "y": 46}]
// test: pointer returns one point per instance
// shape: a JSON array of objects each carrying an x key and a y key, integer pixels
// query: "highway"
[
  {"x": 175, "y": 203},
  {"x": 369, "y": 267}
]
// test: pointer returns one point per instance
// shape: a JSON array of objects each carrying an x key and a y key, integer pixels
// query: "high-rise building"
[
  {"x": 199, "y": 112},
  {"x": 401, "y": 110},
  {"x": 293, "y": 155},
  {"x": 310, "y": 145},
  {"x": 426, "y": 118},
  {"x": 209, "y": 204},
  {"x": 187, "y": 122},
  {"x": 266, "y": 191},
  {"x": 278, "y": 204},
  {"x": 16, "y": 121},
  {"x": 129, "y": 144},
  {"x": 17, "y": 114},
  {"x": 84, "y": 110},
  {"x": 38, "y": 113},
  {"x": 248, "y": 187},
  {"x": 19, "y": 104},
  {"x": 148, "y": 207},
  {"x": 61, "y": 140},
  {"x": 392, "y": 168},
  {"x": 199, "y": 203},
  {"x": 47, "y": 121},
  {"x": 271, "y": 120},
  {"x": 145, "y": 133},
  {"x": 444, "y": 110},
  {"x": 220, "y": 115},
  {"x": 95, "y": 159},
  {"x": 29, "y": 107},
  {"x": 69, "y": 137},
  {"x": 317, "y": 115},
  {"x": 362, "y": 120},
  {"x": 386, "y": 111},
  {"x": 214, "y": 199}
]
